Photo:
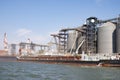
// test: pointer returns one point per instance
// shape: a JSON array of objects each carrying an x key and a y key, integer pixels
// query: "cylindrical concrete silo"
[
  {"x": 13, "y": 49},
  {"x": 106, "y": 34},
  {"x": 71, "y": 45},
  {"x": 118, "y": 39}
]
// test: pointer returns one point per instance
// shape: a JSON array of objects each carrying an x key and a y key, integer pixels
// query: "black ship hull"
[{"x": 112, "y": 63}]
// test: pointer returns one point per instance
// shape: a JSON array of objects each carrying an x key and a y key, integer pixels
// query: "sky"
[{"x": 37, "y": 19}]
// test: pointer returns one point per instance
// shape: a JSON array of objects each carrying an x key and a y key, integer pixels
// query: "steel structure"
[{"x": 91, "y": 35}]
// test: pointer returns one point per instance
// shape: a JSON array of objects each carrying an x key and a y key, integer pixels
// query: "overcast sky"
[{"x": 37, "y": 19}]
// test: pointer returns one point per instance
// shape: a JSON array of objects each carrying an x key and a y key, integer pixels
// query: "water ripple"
[{"x": 37, "y": 71}]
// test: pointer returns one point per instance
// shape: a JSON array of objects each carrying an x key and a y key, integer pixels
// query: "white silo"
[{"x": 106, "y": 33}]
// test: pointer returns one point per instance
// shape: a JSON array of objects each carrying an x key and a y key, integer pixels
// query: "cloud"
[{"x": 23, "y": 32}]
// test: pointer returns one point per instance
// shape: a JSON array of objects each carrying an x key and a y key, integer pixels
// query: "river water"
[{"x": 41, "y": 71}]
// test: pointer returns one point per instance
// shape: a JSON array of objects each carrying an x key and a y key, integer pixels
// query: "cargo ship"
[{"x": 82, "y": 60}]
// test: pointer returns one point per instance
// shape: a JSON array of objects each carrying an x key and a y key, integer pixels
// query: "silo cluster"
[
  {"x": 73, "y": 41},
  {"x": 96, "y": 36},
  {"x": 108, "y": 38}
]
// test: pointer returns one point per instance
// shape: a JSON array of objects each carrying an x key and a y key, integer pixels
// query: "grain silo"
[
  {"x": 13, "y": 49},
  {"x": 118, "y": 39},
  {"x": 71, "y": 45},
  {"x": 106, "y": 38}
]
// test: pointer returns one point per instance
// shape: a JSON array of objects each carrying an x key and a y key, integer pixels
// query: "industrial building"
[
  {"x": 96, "y": 36},
  {"x": 27, "y": 48}
]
